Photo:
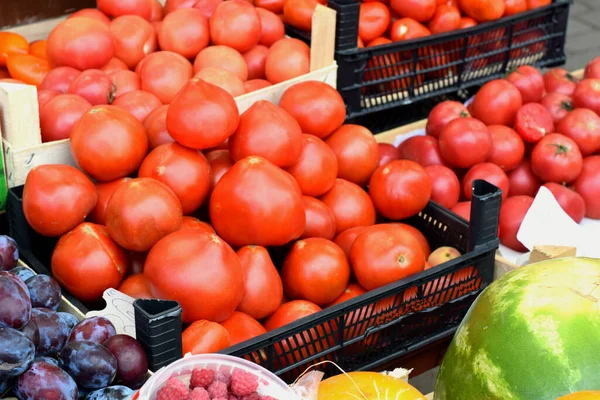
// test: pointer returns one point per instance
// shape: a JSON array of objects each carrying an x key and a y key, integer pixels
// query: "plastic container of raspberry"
[{"x": 268, "y": 383}]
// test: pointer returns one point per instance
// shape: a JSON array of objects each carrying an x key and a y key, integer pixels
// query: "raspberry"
[
  {"x": 202, "y": 377},
  {"x": 169, "y": 393},
  {"x": 224, "y": 377},
  {"x": 219, "y": 398},
  {"x": 178, "y": 385},
  {"x": 267, "y": 398},
  {"x": 251, "y": 396},
  {"x": 232, "y": 397},
  {"x": 198, "y": 394},
  {"x": 217, "y": 389},
  {"x": 243, "y": 383}
]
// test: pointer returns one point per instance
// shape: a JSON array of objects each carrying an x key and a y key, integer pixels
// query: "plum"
[
  {"x": 32, "y": 332},
  {"x": 8, "y": 252},
  {"x": 44, "y": 291},
  {"x": 49, "y": 360},
  {"x": 69, "y": 319},
  {"x": 22, "y": 272},
  {"x": 16, "y": 353},
  {"x": 116, "y": 392},
  {"x": 53, "y": 331},
  {"x": 132, "y": 365},
  {"x": 91, "y": 365},
  {"x": 95, "y": 329},
  {"x": 45, "y": 381},
  {"x": 14, "y": 297}
]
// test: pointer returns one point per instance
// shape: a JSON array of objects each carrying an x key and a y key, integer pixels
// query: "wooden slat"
[
  {"x": 322, "y": 38},
  {"x": 19, "y": 115}
]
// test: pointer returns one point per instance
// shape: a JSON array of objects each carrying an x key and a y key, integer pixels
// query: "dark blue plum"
[
  {"x": 44, "y": 381},
  {"x": 14, "y": 298},
  {"x": 44, "y": 291},
  {"x": 32, "y": 332},
  {"x": 116, "y": 392},
  {"x": 94, "y": 329},
  {"x": 132, "y": 364},
  {"x": 53, "y": 331},
  {"x": 9, "y": 253},
  {"x": 22, "y": 272},
  {"x": 49, "y": 360},
  {"x": 69, "y": 319},
  {"x": 91, "y": 365},
  {"x": 16, "y": 353}
]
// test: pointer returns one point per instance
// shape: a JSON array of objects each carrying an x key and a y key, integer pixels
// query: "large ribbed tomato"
[
  {"x": 350, "y": 205},
  {"x": 105, "y": 191},
  {"x": 235, "y": 24},
  {"x": 256, "y": 202},
  {"x": 200, "y": 271}
]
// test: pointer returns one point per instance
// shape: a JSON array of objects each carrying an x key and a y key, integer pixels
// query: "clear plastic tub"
[{"x": 268, "y": 383}]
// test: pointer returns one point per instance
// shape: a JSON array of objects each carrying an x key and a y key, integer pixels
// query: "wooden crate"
[{"x": 23, "y": 147}]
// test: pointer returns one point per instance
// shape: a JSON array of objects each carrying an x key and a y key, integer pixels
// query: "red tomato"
[
  {"x": 275, "y": 6},
  {"x": 316, "y": 168},
  {"x": 57, "y": 198},
  {"x": 570, "y": 201},
  {"x": 194, "y": 223},
  {"x": 387, "y": 153},
  {"x": 222, "y": 57},
  {"x": 419, "y": 10},
  {"x": 81, "y": 43},
  {"x": 272, "y": 28},
  {"x": 531, "y": 4},
  {"x": 558, "y": 105},
  {"x": 223, "y": 79},
  {"x": 463, "y": 209},
  {"x": 172, "y": 5},
  {"x": 416, "y": 234},
  {"x": 497, "y": 103},
  {"x": 488, "y": 172},
  {"x": 256, "y": 84},
  {"x": 356, "y": 151},
  {"x": 108, "y": 143},
  {"x": 560, "y": 80},
  {"x": 442, "y": 114},
  {"x": 242, "y": 327},
  {"x": 157, "y": 11},
  {"x": 424, "y": 150},
  {"x": 318, "y": 107},
  {"x": 203, "y": 337},
  {"x": 583, "y": 126},
  {"x": 164, "y": 74},
  {"x": 4, "y": 74},
  {"x": 115, "y": 65},
  {"x": 513, "y": 7},
  {"x": 202, "y": 115},
  {"x": 512, "y": 213},
  {"x": 587, "y": 95},
  {"x": 27, "y": 68},
  {"x": 467, "y": 22},
  {"x": 156, "y": 127},
  {"x": 465, "y": 142},
  {"x": 139, "y": 103},
  {"x": 556, "y": 158},
  {"x": 352, "y": 291},
  {"x": 407, "y": 29},
  {"x": 256, "y": 58},
  {"x": 445, "y": 187},
  {"x": 373, "y": 20},
  {"x": 136, "y": 286},
  {"x": 185, "y": 171},
  {"x": 277, "y": 215},
  {"x": 350, "y": 205},
  {"x": 445, "y": 19},
  {"x": 236, "y": 24},
  {"x": 287, "y": 58},
  {"x": 529, "y": 81},
  {"x": 117, "y": 8},
  {"x": 92, "y": 13},
  {"x": 320, "y": 221},
  {"x": 592, "y": 69},
  {"x": 105, "y": 191},
  {"x": 346, "y": 239},
  {"x": 184, "y": 31},
  {"x": 483, "y": 10},
  {"x": 135, "y": 38},
  {"x": 533, "y": 122},
  {"x": 59, "y": 79},
  {"x": 220, "y": 162},
  {"x": 588, "y": 186},
  {"x": 124, "y": 81},
  {"x": 383, "y": 254},
  {"x": 95, "y": 86},
  {"x": 508, "y": 148},
  {"x": 59, "y": 116},
  {"x": 299, "y": 13},
  {"x": 207, "y": 7},
  {"x": 11, "y": 43},
  {"x": 263, "y": 289},
  {"x": 522, "y": 180},
  {"x": 86, "y": 262},
  {"x": 44, "y": 96}
]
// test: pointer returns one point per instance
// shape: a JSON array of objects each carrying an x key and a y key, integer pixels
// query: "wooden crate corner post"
[{"x": 322, "y": 43}]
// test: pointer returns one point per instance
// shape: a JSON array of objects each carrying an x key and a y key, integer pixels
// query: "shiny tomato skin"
[
  {"x": 514, "y": 7},
  {"x": 512, "y": 213},
  {"x": 556, "y": 158},
  {"x": 467, "y": 22},
  {"x": 407, "y": 29},
  {"x": 559, "y": 105},
  {"x": 220, "y": 162},
  {"x": 352, "y": 291},
  {"x": 530, "y": 83},
  {"x": 508, "y": 148},
  {"x": 136, "y": 286},
  {"x": 583, "y": 126},
  {"x": 235, "y": 24},
  {"x": 164, "y": 74},
  {"x": 442, "y": 114},
  {"x": 115, "y": 65},
  {"x": 416, "y": 234},
  {"x": 373, "y": 20},
  {"x": 81, "y": 43},
  {"x": 299, "y": 13},
  {"x": 135, "y": 38},
  {"x": 483, "y": 10},
  {"x": 424, "y": 150},
  {"x": 463, "y": 209},
  {"x": 59, "y": 116},
  {"x": 350, "y": 205},
  {"x": 125, "y": 81},
  {"x": 559, "y": 80},
  {"x": 222, "y": 78},
  {"x": 256, "y": 58},
  {"x": 320, "y": 221},
  {"x": 263, "y": 289},
  {"x": 44, "y": 96},
  {"x": 172, "y": 5},
  {"x": 203, "y": 337},
  {"x": 316, "y": 169},
  {"x": 185, "y": 32},
  {"x": 86, "y": 262},
  {"x": 139, "y": 103},
  {"x": 117, "y": 8},
  {"x": 277, "y": 215},
  {"x": 533, "y": 122},
  {"x": 207, "y": 7},
  {"x": 275, "y": 6},
  {"x": 570, "y": 201},
  {"x": 592, "y": 69},
  {"x": 445, "y": 19},
  {"x": 288, "y": 58},
  {"x": 157, "y": 11},
  {"x": 465, "y": 142},
  {"x": 497, "y": 103},
  {"x": 95, "y": 86},
  {"x": 108, "y": 143},
  {"x": 256, "y": 84},
  {"x": 57, "y": 198},
  {"x": 587, "y": 95},
  {"x": 242, "y": 327},
  {"x": 383, "y": 254},
  {"x": 522, "y": 180},
  {"x": 222, "y": 57},
  {"x": 105, "y": 190},
  {"x": 387, "y": 153},
  {"x": 60, "y": 79},
  {"x": 185, "y": 171},
  {"x": 272, "y": 28},
  {"x": 27, "y": 68},
  {"x": 419, "y": 10},
  {"x": 11, "y": 42},
  {"x": 445, "y": 187},
  {"x": 156, "y": 128},
  {"x": 188, "y": 222},
  {"x": 488, "y": 172},
  {"x": 588, "y": 186},
  {"x": 346, "y": 239}
]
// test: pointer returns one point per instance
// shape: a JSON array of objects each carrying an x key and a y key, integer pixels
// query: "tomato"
[
  {"x": 222, "y": 57},
  {"x": 356, "y": 151},
  {"x": 346, "y": 239},
  {"x": 203, "y": 337},
  {"x": 558, "y": 105},
  {"x": 416, "y": 234},
  {"x": 86, "y": 262},
  {"x": 81, "y": 43},
  {"x": 407, "y": 29},
  {"x": 287, "y": 58},
  {"x": 220, "y": 162},
  {"x": 320, "y": 221},
  {"x": 592, "y": 69},
  {"x": 387, "y": 153},
  {"x": 164, "y": 74},
  {"x": 513, "y": 7},
  {"x": 44, "y": 96},
  {"x": 115, "y": 65},
  {"x": 561, "y": 81},
  {"x": 256, "y": 58},
  {"x": 445, "y": 19},
  {"x": 95, "y": 86},
  {"x": 275, "y": 6},
  {"x": 570, "y": 201},
  {"x": 467, "y": 22},
  {"x": 483, "y": 10},
  {"x": 117, "y": 8},
  {"x": 272, "y": 28},
  {"x": 583, "y": 126},
  {"x": 488, "y": 172},
  {"x": 350, "y": 205},
  {"x": 242, "y": 327},
  {"x": 124, "y": 81},
  {"x": 4, "y": 74},
  {"x": 38, "y": 49},
  {"x": 59, "y": 79},
  {"x": 105, "y": 191},
  {"x": 497, "y": 103},
  {"x": 188, "y": 222},
  {"x": 299, "y": 13},
  {"x": 533, "y": 122},
  {"x": 586, "y": 95},
  {"x": 59, "y": 116},
  {"x": 373, "y": 20},
  {"x": 522, "y": 180},
  {"x": 207, "y": 7},
  {"x": 185, "y": 171},
  {"x": 463, "y": 209},
  {"x": 92, "y": 13},
  {"x": 108, "y": 143},
  {"x": 57, "y": 198},
  {"x": 512, "y": 213},
  {"x": 508, "y": 148},
  {"x": 531, "y": 4},
  {"x": 256, "y": 84},
  {"x": 202, "y": 115},
  {"x": 135, "y": 38},
  {"x": 27, "y": 68},
  {"x": 383, "y": 254},
  {"x": 184, "y": 31},
  {"x": 157, "y": 11},
  {"x": 156, "y": 127},
  {"x": 588, "y": 186},
  {"x": 530, "y": 83},
  {"x": 424, "y": 150},
  {"x": 445, "y": 187},
  {"x": 172, "y": 5},
  {"x": 465, "y": 142},
  {"x": 318, "y": 107},
  {"x": 235, "y": 24},
  {"x": 136, "y": 286},
  {"x": 442, "y": 114},
  {"x": 352, "y": 291},
  {"x": 223, "y": 79},
  {"x": 556, "y": 158},
  {"x": 316, "y": 168},
  {"x": 139, "y": 103},
  {"x": 419, "y": 10},
  {"x": 12, "y": 43}
]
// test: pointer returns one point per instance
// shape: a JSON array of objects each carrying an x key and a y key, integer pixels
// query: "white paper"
[
  {"x": 401, "y": 138},
  {"x": 119, "y": 311}
]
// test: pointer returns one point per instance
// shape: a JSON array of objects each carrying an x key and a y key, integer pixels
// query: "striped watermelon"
[{"x": 532, "y": 335}]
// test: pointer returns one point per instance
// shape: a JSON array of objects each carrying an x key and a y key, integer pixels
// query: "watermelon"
[{"x": 532, "y": 335}]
